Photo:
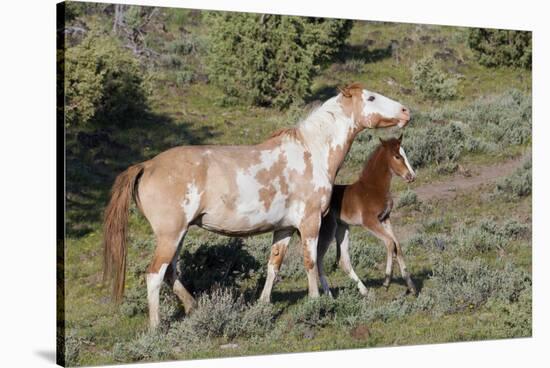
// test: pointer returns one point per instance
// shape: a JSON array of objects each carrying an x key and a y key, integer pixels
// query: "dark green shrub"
[
  {"x": 462, "y": 284},
  {"x": 365, "y": 250},
  {"x": 495, "y": 47},
  {"x": 147, "y": 346},
  {"x": 484, "y": 237},
  {"x": 431, "y": 81},
  {"x": 103, "y": 82},
  {"x": 515, "y": 319},
  {"x": 407, "y": 198},
  {"x": 185, "y": 45},
  {"x": 316, "y": 312},
  {"x": 184, "y": 77},
  {"x": 515, "y": 230},
  {"x": 224, "y": 314},
  {"x": 435, "y": 144},
  {"x": 352, "y": 66},
  {"x": 72, "y": 347},
  {"x": 518, "y": 184},
  {"x": 270, "y": 59},
  {"x": 504, "y": 120}
]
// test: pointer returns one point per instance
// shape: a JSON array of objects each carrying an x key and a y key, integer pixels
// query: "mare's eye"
[
  {"x": 397, "y": 157},
  {"x": 371, "y": 98}
]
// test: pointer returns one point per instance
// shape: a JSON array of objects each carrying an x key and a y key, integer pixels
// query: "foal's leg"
[
  {"x": 173, "y": 281},
  {"x": 381, "y": 233},
  {"x": 167, "y": 245},
  {"x": 279, "y": 246},
  {"x": 342, "y": 242},
  {"x": 400, "y": 259},
  {"x": 326, "y": 235}
]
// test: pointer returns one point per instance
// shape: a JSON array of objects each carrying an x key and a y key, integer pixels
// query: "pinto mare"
[
  {"x": 367, "y": 203},
  {"x": 280, "y": 185}
]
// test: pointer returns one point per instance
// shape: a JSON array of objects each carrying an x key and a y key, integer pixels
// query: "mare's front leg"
[
  {"x": 309, "y": 233},
  {"x": 279, "y": 246},
  {"x": 326, "y": 235}
]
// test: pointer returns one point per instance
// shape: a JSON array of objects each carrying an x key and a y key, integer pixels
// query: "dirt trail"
[{"x": 478, "y": 175}]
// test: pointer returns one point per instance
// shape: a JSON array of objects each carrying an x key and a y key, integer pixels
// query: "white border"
[{"x": 28, "y": 180}]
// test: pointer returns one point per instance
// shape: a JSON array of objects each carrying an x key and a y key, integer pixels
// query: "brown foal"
[{"x": 367, "y": 203}]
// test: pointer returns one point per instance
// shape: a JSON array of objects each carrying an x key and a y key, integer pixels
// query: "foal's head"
[
  {"x": 397, "y": 159},
  {"x": 372, "y": 109}
]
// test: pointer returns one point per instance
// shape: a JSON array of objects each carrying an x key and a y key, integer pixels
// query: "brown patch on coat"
[
  {"x": 266, "y": 196},
  {"x": 278, "y": 252},
  {"x": 352, "y": 103},
  {"x": 164, "y": 253},
  {"x": 308, "y": 261},
  {"x": 267, "y": 177}
]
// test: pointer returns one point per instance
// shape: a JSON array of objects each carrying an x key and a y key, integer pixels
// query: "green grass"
[{"x": 193, "y": 115}]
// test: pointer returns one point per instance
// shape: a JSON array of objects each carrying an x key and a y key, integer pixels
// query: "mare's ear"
[
  {"x": 400, "y": 139},
  {"x": 344, "y": 91},
  {"x": 381, "y": 140}
]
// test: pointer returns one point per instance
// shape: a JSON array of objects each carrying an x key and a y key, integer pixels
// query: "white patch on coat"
[
  {"x": 191, "y": 202},
  {"x": 267, "y": 159},
  {"x": 295, "y": 213},
  {"x": 294, "y": 156},
  {"x": 249, "y": 205},
  {"x": 324, "y": 129},
  {"x": 402, "y": 152}
]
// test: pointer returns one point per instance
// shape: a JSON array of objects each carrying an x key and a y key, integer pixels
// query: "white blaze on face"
[
  {"x": 191, "y": 202},
  {"x": 402, "y": 152},
  {"x": 382, "y": 105}
]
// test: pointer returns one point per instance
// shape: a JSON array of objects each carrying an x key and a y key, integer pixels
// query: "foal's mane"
[
  {"x": 373, "y": 157},
  {"x": 371, "y": 160}
]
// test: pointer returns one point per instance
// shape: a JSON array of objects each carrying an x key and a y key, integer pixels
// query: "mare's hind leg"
[
  {"x": 279, "y": 246},
  {"x": 173, "y": 281},
  {"x": 167, "y": 245},
  {"x": 400, "y": 259},
  {"x": 342, "y": 242},
  {"x": 326, "y": 235}
]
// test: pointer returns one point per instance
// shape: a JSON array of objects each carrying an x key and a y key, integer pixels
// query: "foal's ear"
[
  {"x": 400, "y": 139},
  {"x": 381, "y": 140}
]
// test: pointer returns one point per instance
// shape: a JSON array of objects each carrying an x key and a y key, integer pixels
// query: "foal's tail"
[{"x": 115, "y": 226}]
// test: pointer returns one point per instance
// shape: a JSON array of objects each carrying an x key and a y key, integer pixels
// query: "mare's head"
[
  {"x": 397, "y": 159},
  {"x": 372, "y": 110}
]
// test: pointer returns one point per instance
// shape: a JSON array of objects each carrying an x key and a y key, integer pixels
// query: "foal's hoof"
[
  {"x": 411, "y": 287},
  {"x": 410, "y": 291},
  {"x": 386, "y": 283}
]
